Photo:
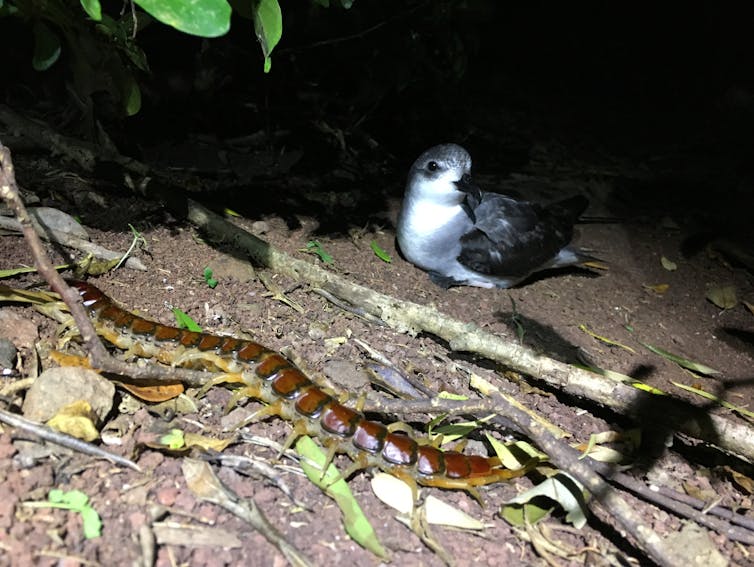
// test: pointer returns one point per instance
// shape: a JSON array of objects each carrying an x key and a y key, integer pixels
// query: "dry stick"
[
  {"x": 562, "y": 455},
  {"x": 70, "y": 241},
  {"x": 63, "y": 439},
  {"x": 685, "y": 507},
  {"x": 98, "y": 355}
]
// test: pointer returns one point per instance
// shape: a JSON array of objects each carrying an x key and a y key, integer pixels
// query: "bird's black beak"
[{"x": 467, "y": 185}]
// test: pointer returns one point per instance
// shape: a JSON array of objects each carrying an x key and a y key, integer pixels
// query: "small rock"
[
  {"x": 59, "y": 387},
  {"x": 228, "y": 267},
  {"x": 8, "y": 354},
  {"x": 20, "y": 330},
  {"x": 260, "y": 227},
  {"x": 346, "y": 374},
  {"x": 52, "y": 221}
]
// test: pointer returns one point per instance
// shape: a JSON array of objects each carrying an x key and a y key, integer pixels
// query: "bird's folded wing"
[{"x": 512, "y": 238}]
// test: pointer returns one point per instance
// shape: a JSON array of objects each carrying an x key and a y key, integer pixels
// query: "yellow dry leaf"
[
  {"x": 659, "y": 289},
  {"x": 669, "y": 265},
  {"x": 76, "y": 419},
  {"x": 204, "y": 442}
]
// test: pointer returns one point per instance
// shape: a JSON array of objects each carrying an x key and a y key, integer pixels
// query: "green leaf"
[
  {"x": 515, "y": 455},
  {"x": 211, "y": 282},
  {"x": 563, "y": 489},
  {"x": 380, "y": 253},
  {"x": 723, "y": 296},
  {"x": 185, "y": 322},
  {"x": 314, "y": 247},
  {"x": 714, "y": 398},
  {"x": 92, "y": 9},
  {"x": 91, "y": 522},
  {"x": 174, "y": 439},
  {"x": 73, "y": 499},
  {"x": 354, "y": 520},
  {"x": 685, "y": 363},
  {"x": 526, "y": 514},
  {"x": 131, "y": 96},
  {"x": 268, "y": 25},
  {"x": 46, "y": 47},
  {"x": 205, "y": 18},
  {"x": 77, "y": 501}
]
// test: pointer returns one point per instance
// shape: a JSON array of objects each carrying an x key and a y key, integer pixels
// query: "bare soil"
[{"x": 546, "y": 313}]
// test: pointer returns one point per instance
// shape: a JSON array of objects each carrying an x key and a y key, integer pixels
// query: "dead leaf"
[
  {"x": 172, "y": 533},
  {"x": 76, "y": 419},
  {"x": 65, "y": 359},
  {"x": 723, "y": 297},
  {"x": 669, "y": 265},
  {"x": 743, "y": 481},
  {"x": 659, "y": 289},
  {"x": 153, "y": 392},
  {"x": 441, "y": 513},
  {"x": 205, "y": 442}
]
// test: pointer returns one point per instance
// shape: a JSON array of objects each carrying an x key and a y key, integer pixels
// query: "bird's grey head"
[
  {"x": 446, "y": 162},
  {"x": 436, "y": 173}
]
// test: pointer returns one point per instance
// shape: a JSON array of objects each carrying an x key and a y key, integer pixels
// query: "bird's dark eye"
[{"x": 433, "y": 166}]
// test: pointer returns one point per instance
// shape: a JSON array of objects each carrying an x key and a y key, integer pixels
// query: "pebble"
[{"x": 58, "y": 387}]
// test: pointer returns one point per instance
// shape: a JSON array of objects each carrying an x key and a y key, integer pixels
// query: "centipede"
[{"x": 290, "y": 394}]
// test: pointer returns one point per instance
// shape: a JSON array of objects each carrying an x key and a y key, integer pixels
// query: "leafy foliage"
[{"x": 103, "y": 52}]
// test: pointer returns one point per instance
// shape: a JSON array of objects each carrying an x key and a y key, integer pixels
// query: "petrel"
[{"x": 462, "y": 235}]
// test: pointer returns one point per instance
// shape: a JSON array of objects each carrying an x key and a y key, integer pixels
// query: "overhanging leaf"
[
  {"x": 46, "y": 47},
  {"x": 92, "y": 9},
  {"x": 268, "y": 26},
  {"x": 205, "y": 18}
]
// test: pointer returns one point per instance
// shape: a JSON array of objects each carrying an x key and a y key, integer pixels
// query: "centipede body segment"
[{"x": 273, "y": 379}]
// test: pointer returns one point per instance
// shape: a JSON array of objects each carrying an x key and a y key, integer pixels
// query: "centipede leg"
[
  {"x": 359, "y": 464},
  {"x": 410, "y": 481},
  {"x": 225, "y": 378},
  {"x": 214, "y": 359}
]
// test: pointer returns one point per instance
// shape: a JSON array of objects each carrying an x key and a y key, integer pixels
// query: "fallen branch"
[
  {"x": 70, "y": 241},
  {"x": 404, "y": 316}
]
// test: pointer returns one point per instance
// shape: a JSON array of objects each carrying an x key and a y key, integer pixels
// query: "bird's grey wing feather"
[{"x": 513, "y": 238}]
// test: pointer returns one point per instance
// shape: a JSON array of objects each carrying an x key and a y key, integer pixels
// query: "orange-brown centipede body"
[{"x": 275, "y": 380}]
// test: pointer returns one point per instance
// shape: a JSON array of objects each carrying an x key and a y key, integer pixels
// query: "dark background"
[{"x": 667, "y": 86}]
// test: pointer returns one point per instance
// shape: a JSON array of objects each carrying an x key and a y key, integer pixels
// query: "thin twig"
[{"x": 63, "y": 439}]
